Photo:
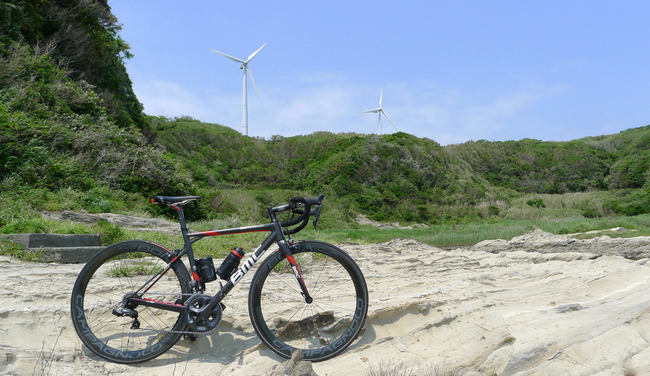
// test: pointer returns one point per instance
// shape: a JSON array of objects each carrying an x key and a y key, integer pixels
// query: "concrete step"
[
  {"x": 66, "y": 255},
  {"x": 56, "y": 240},
  {"x": 62, "y": 248}
]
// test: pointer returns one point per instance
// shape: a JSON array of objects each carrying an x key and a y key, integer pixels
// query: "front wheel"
[
  {"x": 120, "y": 331},
  {"x": 325, "y": 326}
]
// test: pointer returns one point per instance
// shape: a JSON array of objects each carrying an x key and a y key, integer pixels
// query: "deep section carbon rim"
[
  {"x": 139, "y": 333},
  {"x": 323, "y": 328}
]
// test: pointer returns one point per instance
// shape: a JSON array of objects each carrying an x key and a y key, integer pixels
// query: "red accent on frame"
[
  {"x": 216, "y": 233},
  {"x": 195, "y": 276},
  {"x": 292, "y": 261},
  {"x": 158, "y": 245}
]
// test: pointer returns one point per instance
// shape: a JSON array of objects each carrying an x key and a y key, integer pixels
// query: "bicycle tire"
[
  {"x": 101, "y": 286},
  {"x": 322, "y": 329}
]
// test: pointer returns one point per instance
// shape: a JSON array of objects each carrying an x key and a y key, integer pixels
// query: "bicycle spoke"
[
  {"x": 136, "y": 332},
  {"x": 284, "y": 320}
]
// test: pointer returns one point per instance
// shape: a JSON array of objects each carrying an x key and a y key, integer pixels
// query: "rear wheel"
[
  {"x": 322, "y": 328},
  {"x": 122, "y": 332}
]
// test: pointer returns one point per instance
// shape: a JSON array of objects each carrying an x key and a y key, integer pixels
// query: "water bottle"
[{"x": 230, "y": 263}]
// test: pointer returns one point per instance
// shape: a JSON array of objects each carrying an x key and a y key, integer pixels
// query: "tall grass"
[
  {"x": 558, "y": 214},
  {"x": 472, "y": 233}
]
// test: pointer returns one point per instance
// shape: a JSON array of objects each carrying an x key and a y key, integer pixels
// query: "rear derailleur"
[{"x": 124, "y": 310}]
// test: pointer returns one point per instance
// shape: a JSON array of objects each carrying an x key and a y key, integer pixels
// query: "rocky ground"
[{"x": 539, "y": 304}]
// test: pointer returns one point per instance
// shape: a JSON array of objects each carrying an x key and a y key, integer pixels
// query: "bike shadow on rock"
[
  {"x": 224, "y": 347},
  {"x": 367, "y": 337},
  {"x": 228, "y": 346}
]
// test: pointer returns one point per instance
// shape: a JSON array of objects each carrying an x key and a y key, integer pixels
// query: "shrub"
[
  {"x": 631, "y": 202},
  {"x": 536, "y": 203},
  {"x": 109, "y": 233}
]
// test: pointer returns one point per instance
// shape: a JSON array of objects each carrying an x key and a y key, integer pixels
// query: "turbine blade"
[
  {"x": 256, "y": 52},
  {"x": 229, "y": 57},
  {"x": 381, "y": 96},
  {"x": 373, "y": 111},
  {"x": 250, "y": 72},
  {"x": 391, "y": 122}
]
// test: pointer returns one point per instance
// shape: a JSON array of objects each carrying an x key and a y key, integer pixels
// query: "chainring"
[{"x": 195, "y": 306}]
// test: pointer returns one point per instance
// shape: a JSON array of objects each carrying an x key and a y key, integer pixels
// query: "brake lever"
[{"x": 316, "y": 213}]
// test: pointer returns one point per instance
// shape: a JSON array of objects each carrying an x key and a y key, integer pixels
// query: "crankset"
[{"x": 195, "y": 306}]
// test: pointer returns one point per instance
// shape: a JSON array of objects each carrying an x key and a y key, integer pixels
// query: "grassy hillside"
[
  {"x": 593, "y": 163},
  {"x": 618, "y": 163},
  {"x": 55, "y": 134},
  {"x": 630, "y": 157},
  {"x": 391, "y": 177},
  {"x": 82, "y": 38},
  {"x": 538, "y": 167},
  {"x": 405, "y": 178}
]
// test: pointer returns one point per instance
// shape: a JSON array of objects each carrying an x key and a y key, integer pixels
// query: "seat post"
[
  {"x": 183, "y": 222},
  {"x": 181, "y": 218}
]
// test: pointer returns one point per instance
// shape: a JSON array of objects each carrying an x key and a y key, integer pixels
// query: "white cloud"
[
  {"x": 318, "y": 107},
  {"x": 512, "y": 115},
  {"x": 325, "y": 102},
  {"x": 168, "y": 99}
]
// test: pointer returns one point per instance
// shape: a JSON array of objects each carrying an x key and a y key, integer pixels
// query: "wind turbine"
[
  {"x": 379, "y": 110},
  {"x": 244, "y": 67}
]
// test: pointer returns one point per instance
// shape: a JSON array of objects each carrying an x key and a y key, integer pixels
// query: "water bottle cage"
[{"x": 206, "y": 270}]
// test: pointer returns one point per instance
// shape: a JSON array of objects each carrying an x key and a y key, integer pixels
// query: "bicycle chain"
[{"x": 178, "y": 331}]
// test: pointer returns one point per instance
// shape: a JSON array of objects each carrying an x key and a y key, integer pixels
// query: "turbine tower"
[
  {"x": 379, "y": 110},
  {"x": 244, "y": 67}
]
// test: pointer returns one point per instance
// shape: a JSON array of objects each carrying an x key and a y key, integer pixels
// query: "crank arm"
[{"x": 207, "y": 310}]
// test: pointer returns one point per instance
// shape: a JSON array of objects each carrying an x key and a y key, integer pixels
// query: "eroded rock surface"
[{"x": 538, "y": 304}]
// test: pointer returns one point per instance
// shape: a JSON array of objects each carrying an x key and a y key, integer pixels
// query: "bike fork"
[{"x": 296, "y": 271}]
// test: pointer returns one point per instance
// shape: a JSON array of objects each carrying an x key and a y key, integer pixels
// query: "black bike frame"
[{"x": 276, "y": 236}]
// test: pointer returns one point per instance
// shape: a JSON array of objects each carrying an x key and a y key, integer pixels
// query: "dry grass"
[{"x": 394, "y": 368}]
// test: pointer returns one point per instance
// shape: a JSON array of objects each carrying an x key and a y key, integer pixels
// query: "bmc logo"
[{"x": 239, "y": 274}]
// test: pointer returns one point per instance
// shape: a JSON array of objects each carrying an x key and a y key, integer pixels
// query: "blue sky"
[{"x": 452, "y": 71}]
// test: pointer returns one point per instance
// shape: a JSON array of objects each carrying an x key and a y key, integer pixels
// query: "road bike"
[{"x": 134, "y": 299}]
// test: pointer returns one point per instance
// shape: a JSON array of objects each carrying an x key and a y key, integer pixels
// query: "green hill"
[
  {"x": 618, "y": 162},
  {"x": 387, "y": 177}
]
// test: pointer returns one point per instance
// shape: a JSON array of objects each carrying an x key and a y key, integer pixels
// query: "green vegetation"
[
  {"x": 73, "y": 137},
  {"x": 82, "y": 38},
  {"x": 55, "y": 134},
  {"x": 144, "y": 268},
  {"x": 9, "y": 248}
]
